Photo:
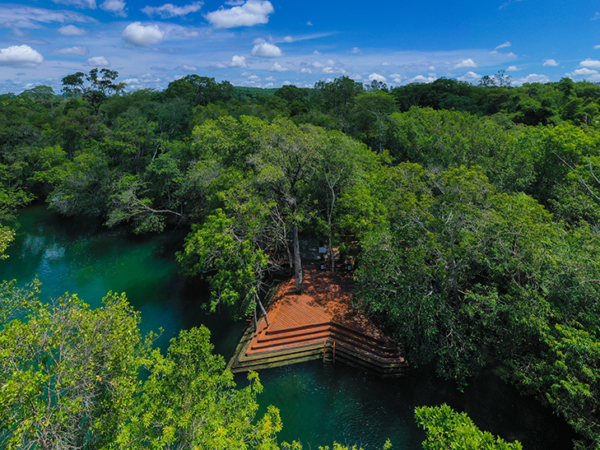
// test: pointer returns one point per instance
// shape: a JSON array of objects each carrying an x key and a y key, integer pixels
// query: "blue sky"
[{"x": 270, "y": 43}]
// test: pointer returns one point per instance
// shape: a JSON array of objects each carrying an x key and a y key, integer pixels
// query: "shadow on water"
[{"x": 80, "y": 256}]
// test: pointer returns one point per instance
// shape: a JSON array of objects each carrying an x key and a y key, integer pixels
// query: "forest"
[{"x": 473, "y": 212}]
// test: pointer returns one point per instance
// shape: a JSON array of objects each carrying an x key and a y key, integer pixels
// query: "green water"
[{"x": 317, "y": 406}]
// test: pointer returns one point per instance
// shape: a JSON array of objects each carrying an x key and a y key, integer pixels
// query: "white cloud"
[
  {"x": 512, "y": 55},
  {"x": 584, "y": 71},
  {"x": 81, "y": 51},
  {"x": 117, "y": 7},
  {"x": 513, "y": 68},
  {"x": 78, "y": 3},
  {"x": 469, "y": 77},
  {"x": 532, "y": 78},
  {"x": 288, "y": 39},
  {"x": 140, "y": 35},
  {"x": 278, "y": 68},
  {"x": 221, "y": 66},
  {"x": 269, "y": 85},
  {"x": 20, "y": 56},
  {"x": 432, "y": 68},
  {"x": 169, "y": 10},
  {"x": 550, "y": 62},
  {"x": 16, "y": 17},
  {"x": 309, "y": 23},
  {"x": 356, "y": 51},
  {"x": 98, "y": 61},
  {"x": 238, "y": 62},
  {"x": 254, "y": 78},
  {"x": 317, "y": 52},
  {"x": 596, "y": 47},
  {"x": 596, "y": 16},
  {"x": 305, "y": 70},
  {"x": 251, "y": 13},
  {"x": 188, "y": 68},
  {"x": 266, "y": 50},
  {"x": 377, "y": 77},
  {"x": 72, "y": 30},
  {"x": 465, "y": 63},
  {"x": 246, "y": 74},
  {"x": 332, "y": 70},
  {"x": 505, "y": 45},
  {"x": 287, "y": 83},
  {"x": 421, "y": 79},
  {"x": 270, "y": 78},
  {"x": 385, "y": 63},
  {"x": 590, "y": 63}
]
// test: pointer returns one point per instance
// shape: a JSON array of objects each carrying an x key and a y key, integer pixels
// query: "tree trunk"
[
  {"x": 255, "y": 320},
  {"x": 262, "y": 308},
  {"x": 331, "y": 255},
  {"x": 297, "y": 261},
  {"x": 287, "y": 249}
]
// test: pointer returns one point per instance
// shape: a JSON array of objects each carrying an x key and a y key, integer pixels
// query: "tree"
[
  {"x": 342, "y": 164},
  {"x": 284, "y": 162},
  {"x": 85, "y": 186},
  {"x": 292, "y": 93},
  {"x": 229, "y": 249},
  {"x": 72, "y": 376},
  {"x": 68, "y": 373},
  {"x": 377, "y": 107},
  {"x": 447, "y": 429},
  {"x": 190, "y": 401},
  {"x": 338, "y": 97},
  {"x": 499, "y": 80},
  {"x": 101, "y": 86},
  {"x": 199, "y": 90}
]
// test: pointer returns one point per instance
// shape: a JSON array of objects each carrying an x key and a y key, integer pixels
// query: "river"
[{"x": 317, "y": 406}]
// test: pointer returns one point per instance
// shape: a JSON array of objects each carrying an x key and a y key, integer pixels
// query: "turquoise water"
[{"x": 317, "y": 406}]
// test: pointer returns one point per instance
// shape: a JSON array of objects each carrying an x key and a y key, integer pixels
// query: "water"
[{"x": 317, "y": 406}]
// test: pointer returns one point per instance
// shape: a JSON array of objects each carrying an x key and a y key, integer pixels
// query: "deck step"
[
  {"x": 320, "y": 335},
  {"x": 319, "y": 324}
]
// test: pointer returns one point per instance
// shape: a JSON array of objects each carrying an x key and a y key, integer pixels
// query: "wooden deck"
[{"x": 321, "y": 323}]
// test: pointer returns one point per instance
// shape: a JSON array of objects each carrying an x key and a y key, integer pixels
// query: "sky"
[{"x": 272, "y": 43}]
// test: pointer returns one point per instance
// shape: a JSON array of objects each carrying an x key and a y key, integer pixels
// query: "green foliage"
[
  {"x": 72, "y": 378},
  {"x": 68, "y": 373},
  {"x": 101, "y": 85},
  {"x": 448, "y": 430},
  {"x": 190, "y": 401},
  {"x": 447, "y": 139},
  {"x": 456, "y": 256},
  {"x": 232, "y": 253}
]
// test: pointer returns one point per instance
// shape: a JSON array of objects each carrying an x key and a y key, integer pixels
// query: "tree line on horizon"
[{"x": 475, "y": 208}]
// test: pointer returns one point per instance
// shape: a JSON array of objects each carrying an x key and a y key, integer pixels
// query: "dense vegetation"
[
  {"x": 473, "y": 210},
  {"x": 79, "y": 378}
]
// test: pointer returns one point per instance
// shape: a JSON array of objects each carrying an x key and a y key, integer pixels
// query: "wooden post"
[{"x": 334, "y": 352}]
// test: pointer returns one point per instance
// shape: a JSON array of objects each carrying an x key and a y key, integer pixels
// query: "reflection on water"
[{"x": 317, "y": 406}]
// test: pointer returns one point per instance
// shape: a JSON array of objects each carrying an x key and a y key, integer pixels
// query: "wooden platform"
[{"x": 320, "y": 324}]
